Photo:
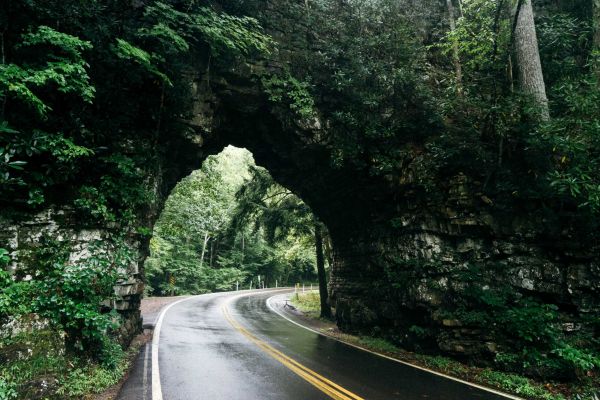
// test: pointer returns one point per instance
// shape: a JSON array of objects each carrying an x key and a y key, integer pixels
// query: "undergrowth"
[{"x": 34, "y": 364}]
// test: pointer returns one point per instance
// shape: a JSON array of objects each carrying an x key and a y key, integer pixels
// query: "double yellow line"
[{"x": 328, "y": 387}]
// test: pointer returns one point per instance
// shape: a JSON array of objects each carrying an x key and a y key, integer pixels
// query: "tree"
[
  {"x": 596, "y": 21},
  {"x": 455, "y": 53},
  {"x": 282, "y": 214},
  {"x": 198, "y": 210},
  {"x": 527, "y": 56},
  {"x": 324, "y": 296}
]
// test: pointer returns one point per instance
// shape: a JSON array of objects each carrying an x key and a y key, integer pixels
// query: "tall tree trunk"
[
  {"x": 455, "y": 55},
  {"x": 243, "y": 247},
  {"x": 325, "y": 307},
  {"x": 596, "y": 44},
  {"x": 527, "y": 57},
  {"x": 203, "y": 248},
  {"x": 596, "y": 21},
  {"x": 328, "y": 249}
]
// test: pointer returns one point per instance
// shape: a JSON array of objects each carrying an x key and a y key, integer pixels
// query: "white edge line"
[
  {"x": 508, "y": 396},
  {"x": 156, "y": 386},
  {"x": 145, "y": 378}
]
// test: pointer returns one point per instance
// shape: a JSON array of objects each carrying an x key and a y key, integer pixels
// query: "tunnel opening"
[{"x": 229, "y": 225}]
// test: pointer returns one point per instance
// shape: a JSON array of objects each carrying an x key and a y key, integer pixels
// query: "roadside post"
[{"x": 172, "y": 284}]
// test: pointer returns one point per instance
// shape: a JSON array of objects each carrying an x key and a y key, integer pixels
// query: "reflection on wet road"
[{"x": 233, "y": 346}]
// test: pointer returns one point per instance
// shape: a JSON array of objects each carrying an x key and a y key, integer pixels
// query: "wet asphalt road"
[{"x": 203, "y": 356}]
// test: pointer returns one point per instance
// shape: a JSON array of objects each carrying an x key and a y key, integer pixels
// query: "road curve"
[{"x": 234, "y": 346}]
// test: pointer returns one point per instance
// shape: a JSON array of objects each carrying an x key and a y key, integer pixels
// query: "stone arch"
[
  {"x": 396, "y": 259},
  {"x": 386, "y": 274}
]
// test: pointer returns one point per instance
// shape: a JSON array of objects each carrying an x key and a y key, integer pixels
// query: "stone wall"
[
  {"x": 22, "y": 236},
  {"x": 409, "y": 275}
]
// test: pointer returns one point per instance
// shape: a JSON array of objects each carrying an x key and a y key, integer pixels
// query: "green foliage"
[
  {"x": 127, "y": 51},
  {"x": 198, "y": 210},
  {"x": 582, "y": 360},
  {"x": 574, "y": 139},
  {"x": 309, "y": 303},
  {"x": 493, "y": 132},
  {"x": 291, "y": 92},
  {"x": 529, "y": 330},
  {"x": 227, "y": 224},
  {"x": 68, "y": 294},
  {"x": 38, "y": 355},
  {"x": 84, "y": 379},
  {"x": 7, "y": 391},
  {"x": 81, "y": 83},
  {"x": 63, "y": 66},
  {"x": 518, "y": 384},
  {"x": 4, "y": 257},
  {"x": 225, "y": 34},
  {"x": 378, "y": 344},
  {"x": 52, "y": 65},
  {"x": 366, "y": 79}
]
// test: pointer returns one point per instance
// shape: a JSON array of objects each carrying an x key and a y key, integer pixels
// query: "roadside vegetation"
[
  {"x": 308, "y": 302},
  {"x": 56, "y": 341},
  {"x": 92, "y": 92},
  {"x": 230, "y": 225}
]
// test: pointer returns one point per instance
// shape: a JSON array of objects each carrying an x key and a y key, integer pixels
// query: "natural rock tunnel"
[
  {"x": 399, "y": 276},
  {"x": 402, "y": 262}
]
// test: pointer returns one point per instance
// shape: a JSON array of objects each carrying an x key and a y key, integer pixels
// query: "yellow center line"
[{"x": 328, "y": 387}]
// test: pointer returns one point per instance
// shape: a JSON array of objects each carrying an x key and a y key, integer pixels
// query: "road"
[{"x": 236, "y": 346}]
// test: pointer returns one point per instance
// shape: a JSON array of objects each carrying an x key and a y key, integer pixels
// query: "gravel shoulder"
[{"x": 151, "y": 307}]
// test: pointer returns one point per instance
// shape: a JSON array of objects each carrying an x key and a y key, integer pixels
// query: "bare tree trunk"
[
  {"x": 527, "y": 58},
  {"x": 455, "y": 55},
  {"x": 596, "y": 43},
  {"x": 243, "y": 246},
  {"x": 328, "y": 248},
  {"x": 325, "y": 307},
  {"x": 596, "y": 20},
  {"x": 203, "y": 248}
]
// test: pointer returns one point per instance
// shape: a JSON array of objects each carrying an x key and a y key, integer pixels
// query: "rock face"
[
  {"x": 22, "y": 236},
  {"x": 400, "y": 263},
  {"x": 413, "y": 276}
]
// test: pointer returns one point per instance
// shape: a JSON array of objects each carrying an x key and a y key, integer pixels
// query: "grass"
[
  {"x": 377, "y": 344},
  {"x": 308, "y": 302},
  {"x": 34, "y": 365},
  {"x": 585, "y": 389}
]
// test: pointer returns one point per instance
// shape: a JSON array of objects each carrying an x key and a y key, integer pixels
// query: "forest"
[
  {"x": 433, "y": 166},
  {"x": 227, "y": 226}
]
